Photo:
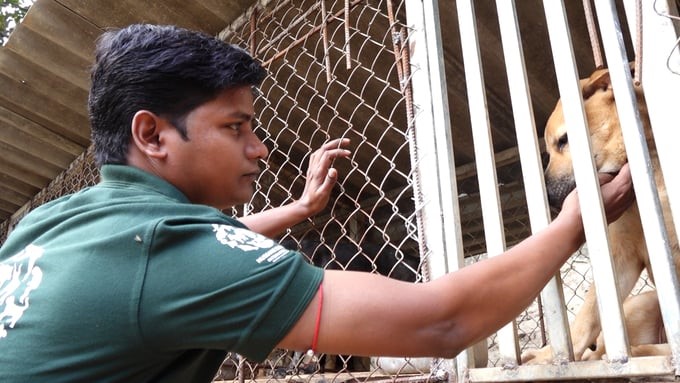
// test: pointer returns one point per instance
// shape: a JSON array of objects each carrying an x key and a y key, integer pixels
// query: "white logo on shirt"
[
  {"x": 19, "y": 276},
  {"x": 246, "y": 240}
]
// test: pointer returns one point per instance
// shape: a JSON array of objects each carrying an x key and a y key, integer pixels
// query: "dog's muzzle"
[{"x": 558, "y": 188}]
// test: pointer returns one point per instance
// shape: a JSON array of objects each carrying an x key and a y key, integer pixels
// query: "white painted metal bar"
[
  {"x": 587, "y": 182},
  {"x": 426, "y": 166},
  {"x": 435, "y": 153},
  {"x": 646, "y": 193},
  {"x": 443, "y": 139},
  {"x": 597, "y": 369},
  {"x": 484, "y": 158},
  {"x": 447, "y": 170},
  {"x": 661, "y": 82},
  {"x": 554, "y": 308}
]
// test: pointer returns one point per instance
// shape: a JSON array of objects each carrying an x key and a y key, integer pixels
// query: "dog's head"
[{"x": 605, "y": 136}]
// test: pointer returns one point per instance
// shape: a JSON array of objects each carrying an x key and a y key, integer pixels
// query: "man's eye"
[{"x": 235, "y": 126}]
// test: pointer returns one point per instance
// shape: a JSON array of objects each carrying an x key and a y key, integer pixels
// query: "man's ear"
[{"x": 146, "y": 131}]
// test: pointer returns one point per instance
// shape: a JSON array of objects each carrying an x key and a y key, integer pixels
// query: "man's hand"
[
  {"x": 321, "y": 176},
  {"x": 617, "y": 194}
]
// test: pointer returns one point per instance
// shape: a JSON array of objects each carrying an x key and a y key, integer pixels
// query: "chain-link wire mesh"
[
  {"x": 372, "y": 210},
  {"x": 81, "y": 173},
  {"x": 334, "y": 71}
]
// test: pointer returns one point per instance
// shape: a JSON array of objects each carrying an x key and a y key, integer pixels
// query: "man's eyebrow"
[{"x": 240, "y": 115}]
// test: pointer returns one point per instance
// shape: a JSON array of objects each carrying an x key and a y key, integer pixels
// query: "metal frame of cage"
[{"x": 619, "y": 363}]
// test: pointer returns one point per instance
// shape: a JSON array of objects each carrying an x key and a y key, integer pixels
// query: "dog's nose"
[{"x": 558, "y": 188}]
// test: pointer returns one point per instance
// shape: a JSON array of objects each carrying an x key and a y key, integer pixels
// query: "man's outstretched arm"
[{"x": 368, "y": 314}]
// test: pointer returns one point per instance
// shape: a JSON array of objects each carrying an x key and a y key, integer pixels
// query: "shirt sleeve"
[{"x": 221, "y": 286}]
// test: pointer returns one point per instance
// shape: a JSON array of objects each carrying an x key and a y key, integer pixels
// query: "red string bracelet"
[{"x": 317, "y": 325}]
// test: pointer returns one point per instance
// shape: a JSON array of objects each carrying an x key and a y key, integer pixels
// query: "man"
[{"x": 142, "y": 278}]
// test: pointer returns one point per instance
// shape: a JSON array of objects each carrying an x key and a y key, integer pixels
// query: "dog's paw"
[
  {"x": 595, "y": 354},
  {"x": 537, "y": 356},
  {"x": 661, "y": 349}
]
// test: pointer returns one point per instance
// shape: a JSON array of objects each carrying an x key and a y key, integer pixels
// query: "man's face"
[{"x": 218, "y": 165}]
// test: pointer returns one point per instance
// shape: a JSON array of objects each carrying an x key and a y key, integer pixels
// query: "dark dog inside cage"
[
  {"x": 344, "y": 254},
  {"x": 641, "y": 313}
]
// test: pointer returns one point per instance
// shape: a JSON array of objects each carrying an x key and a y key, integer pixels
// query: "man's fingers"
[
  {"x": 336, "y": 143},
  {"x": 618, "y": 194},
  {"x": 328, "y": 183},
  {"x": 605, "y": 178},
  {"x": 624, "y": 174},
  {"x": 332, "y": 174},
  {"x": 323, "y": 157}
]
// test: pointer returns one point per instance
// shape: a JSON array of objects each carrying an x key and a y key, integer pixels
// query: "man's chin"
[{"x": 246, "y": 198}]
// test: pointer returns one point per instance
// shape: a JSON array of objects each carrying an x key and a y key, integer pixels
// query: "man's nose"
[{"x": 256, "y": 148}]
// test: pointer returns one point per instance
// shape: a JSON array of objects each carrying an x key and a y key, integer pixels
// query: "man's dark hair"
[{"x": 163, "y": 69}]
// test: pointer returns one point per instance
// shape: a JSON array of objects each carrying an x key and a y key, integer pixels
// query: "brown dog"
[{"x": 626, "y": 237}]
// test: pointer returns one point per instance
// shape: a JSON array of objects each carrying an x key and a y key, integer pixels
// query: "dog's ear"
[{"x": 599, "y": 80}]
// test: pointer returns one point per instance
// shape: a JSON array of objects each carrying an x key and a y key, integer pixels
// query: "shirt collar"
[{"x": 135, "y": 177}]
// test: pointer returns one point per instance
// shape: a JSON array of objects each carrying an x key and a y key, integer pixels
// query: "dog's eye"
[{"x": 562, "y": 142}]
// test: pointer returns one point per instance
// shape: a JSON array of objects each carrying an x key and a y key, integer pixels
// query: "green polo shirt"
[{"x": 128, "y": 281}]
